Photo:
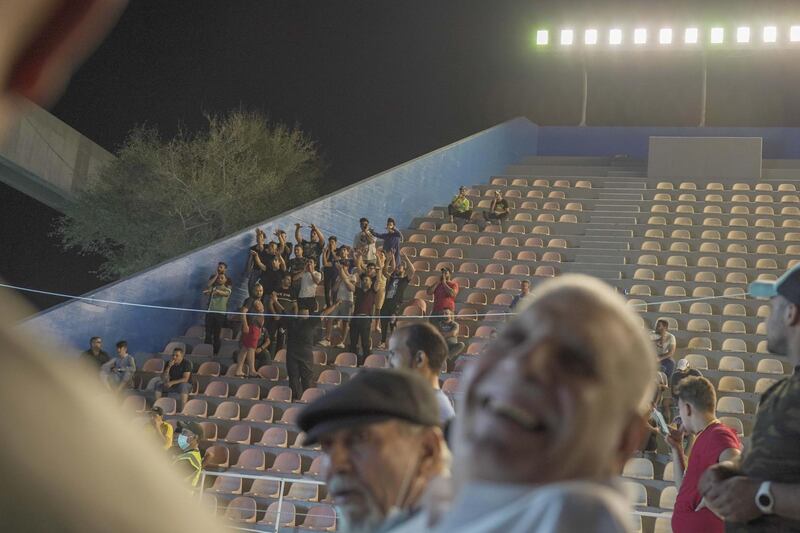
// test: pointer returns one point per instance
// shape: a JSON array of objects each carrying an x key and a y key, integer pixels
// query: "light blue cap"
[{"x": 768, "y": 289}]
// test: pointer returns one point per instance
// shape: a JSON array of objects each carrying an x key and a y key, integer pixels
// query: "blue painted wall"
[
  {"x": 404, "y": 192},
  {"x": 779, "y": 143}
]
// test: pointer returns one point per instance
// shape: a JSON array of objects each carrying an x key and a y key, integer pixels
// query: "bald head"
[{"x": 561, "y": 393}]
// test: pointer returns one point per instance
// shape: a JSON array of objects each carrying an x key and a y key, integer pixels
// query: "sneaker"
[
  {"x": 324, "y": 342},
  {"x": 340, "y": 345}
]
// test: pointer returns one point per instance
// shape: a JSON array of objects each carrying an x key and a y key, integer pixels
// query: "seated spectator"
[
  {"x": 449, "y": 329},
  {"x": 682, "y": 370},
  {"x": 396, "y": 284},
  {"x": 250, "y": 341},
  {"x": 444, "y": 294},
  {"x": 380, "y": 433},
  {"x": 162, "y": 429},
  {"x": 460, "y": 206},
  {"x": 300, "y": 352},
  {"x": 498, "y": 211},
  {"x": 551, "y": 413},
  {"x": 714, "y": 443},
  {"x": 657, "y": 423},
  {"x": 189, "y": 460},
  {"x": 118, "y": 372},
  {"x": 329, "y": 270},
  {"x": 175, "y": 378},
  {"x": 419, "y": 347},
  {"x": 95, "y": 354},
  {"x": 665, "y": 347},
  {"x": 392, "y": 240},
  {"x": 364, "y": 242},
  {"x": 219, "y": 293},
  {"x": 525, "y": 290},
  {"x": 309, "y": 280},
  {"x": 343, "y": 308},
  {"x": 312, "y": 248},
  {"x": 282, "y": 301},
  {"x": 364, "y": 297}
]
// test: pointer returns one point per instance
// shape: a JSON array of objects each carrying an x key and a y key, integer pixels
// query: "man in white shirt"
[
  {"x": 364, "y": 242},
  {"x": 550, "y": 414},
  {"x": 309, "y": 280},
  {"x": 665, "y": 347}
]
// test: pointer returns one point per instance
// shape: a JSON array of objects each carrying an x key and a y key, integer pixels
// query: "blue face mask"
[{"x": 183, "y": 442}]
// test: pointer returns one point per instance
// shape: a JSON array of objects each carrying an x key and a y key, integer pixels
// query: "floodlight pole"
[
  {"x": 703, "y": 92},
  {"x": 585, "y": 102}
]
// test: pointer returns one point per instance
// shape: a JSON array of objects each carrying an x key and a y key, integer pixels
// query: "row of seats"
[
  {"x": 647, "y": 274},
  {"x": 244, "y": 509}
]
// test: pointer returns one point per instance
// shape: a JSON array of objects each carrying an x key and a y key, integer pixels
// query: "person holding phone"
[{"x": 444, "y": 293}]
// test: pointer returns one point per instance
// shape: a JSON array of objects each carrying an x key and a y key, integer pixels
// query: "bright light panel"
[
  {"x": 640, "y": 36},
  {"x": 590, "y": 36},
  {"x": 665, "y": 36},
  {"x": 690, "y": 36},
  {"x": 743, "y": 34},
  {"x": 770, "y": 34},
  {"x": 567, "y": 36},
  {"x": 794, "y": 34},
  {"x": 717, "y": 35},
  {"x": 615, "y": 36},
  {"x": 542, "y": 37}
]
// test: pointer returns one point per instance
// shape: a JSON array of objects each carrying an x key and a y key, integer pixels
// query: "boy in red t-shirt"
[{"x": 713, "y": 443}]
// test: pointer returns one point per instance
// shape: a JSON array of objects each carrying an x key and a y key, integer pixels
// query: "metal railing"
[{"x": 282, "y": 485}]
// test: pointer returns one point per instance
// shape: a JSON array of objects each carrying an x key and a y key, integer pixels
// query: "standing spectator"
[
  {"x": 300, "y": 352},
  {"x": 449, "y": 329},
  {"x": 396, "y": 285},
  {"x": 460, "y": 206},
  {"x": 364, "y": 241},
  {"x": 345, "y": 288},
  {"x": 259, "y": 257},
  {"x": 189, "y": 436},
  {"x": 118, "y": 372},
  {"x": 525, "y": 289},
  {"x": 714, "y": 443},
  {"x": 162, "y": 429},
  {"x": 419, "y": 347},
  {"x": 329, "y": 270},
  {"x": 250, "y": 340},
  {"x": 534, "y": 446},
  {"x": 392, "y": 239},
  {"x": 95, "y": 354},
  {"x": 296, "y": 267},
  {"x": 222, "y": 268},
  {"x": 175, "y": 378},
  {"x": 219, "y": 293},
  {"x": 665, "y": 347},
  {"x": 272, "y": 276},
  {"x": 364, "y": 307},
  {"x": 444, "y": 294},
  {"x": 309, "y": 280},
  {"x": 498, "y": 210},
  {"x": 377, "y": 273},
  {"x": 761, "y": 491},
  {"x": 312, "y": 249},
  {"x": 282, "y": 302}
]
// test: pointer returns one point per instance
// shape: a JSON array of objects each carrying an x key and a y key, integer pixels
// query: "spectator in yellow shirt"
[
  {"x": 163, "y": 429},
  {"x": 460, "y": 206}
]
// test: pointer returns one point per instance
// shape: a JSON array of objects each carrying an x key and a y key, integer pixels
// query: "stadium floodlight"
[
  {"x": 770, "y": 34},
  {"x": 542, "y": 37},
  {"x": 567, "y": 36},
  {"x": 590, "y": 36},
  {"x": 717, "y": 35},
  {"x": 665, "y": 36},
  {"x": 615, "y": 36},
  {"x": 794, "y": 34},
  {"x": 640, "y": 36},
  {"x": 743, "y": 34},
  {"x": 690, "y": 36}
]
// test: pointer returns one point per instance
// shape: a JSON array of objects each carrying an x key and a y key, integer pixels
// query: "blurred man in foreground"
[
  {"x": 550, "y": 414},
  {"x": 382, "y": 443}
]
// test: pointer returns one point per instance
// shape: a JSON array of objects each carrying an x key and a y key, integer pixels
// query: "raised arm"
[
  {"x": 318, "y": 233},
  {"x": 410, "y": 270},
  {"x": 297, "y": 237}
]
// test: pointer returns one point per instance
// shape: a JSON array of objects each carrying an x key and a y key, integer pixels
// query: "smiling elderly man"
[
  {"x": 551, "y": 413},
  {"x": 382, "y": 443}
]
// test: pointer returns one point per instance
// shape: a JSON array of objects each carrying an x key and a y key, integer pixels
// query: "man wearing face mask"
[
  {"x": 189, "y": 460},
  {"x": 550, "y": 414},
  {"x": 383, "y": 446}
]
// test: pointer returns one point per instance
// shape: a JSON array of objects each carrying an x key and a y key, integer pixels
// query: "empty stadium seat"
[
  {"x": 639, "y": 468},
  {"x": 731, "y": 363},
  {"x": 730, "y": 384},
  {"x": 769, "y": 366},
  {"x": 260, "y": 412},
  {"x": 667, "y": 497}
]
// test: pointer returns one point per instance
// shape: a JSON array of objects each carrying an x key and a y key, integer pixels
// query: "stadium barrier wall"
[{"x": 403, "y": 192}]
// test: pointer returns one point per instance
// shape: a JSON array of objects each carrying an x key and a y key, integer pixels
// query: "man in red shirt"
[
  {"x": 713, "y": 443},
  {"x": 444, "y": 294}
]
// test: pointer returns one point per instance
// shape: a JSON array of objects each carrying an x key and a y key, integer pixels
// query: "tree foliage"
[{"x": 160, "y": 198}]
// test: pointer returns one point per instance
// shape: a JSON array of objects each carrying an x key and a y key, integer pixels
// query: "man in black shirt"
[
  {"x": 260, "y": 257},
  {"x": 271, "y": 277},
  {"x": 395, "y": 288},
  {"x": 365, "y": 298},
  {"x": 296, "y": 266},
  {"x": 282, "y": 301},
  {"x": 95, "y": 353},
  {"x": 498, "y": 210},
  {"x": 175, "y": 378},
  {"x": 311, "y": 249},
  {"x": 300, "y": 352}
]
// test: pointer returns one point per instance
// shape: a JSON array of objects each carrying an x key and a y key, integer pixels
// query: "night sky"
[{"x": 379, "y": 82}]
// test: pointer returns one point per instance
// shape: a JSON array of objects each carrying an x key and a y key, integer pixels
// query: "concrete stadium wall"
[
  {"x": 779, "y": 143},
  {"x": 403, "y": 192}
]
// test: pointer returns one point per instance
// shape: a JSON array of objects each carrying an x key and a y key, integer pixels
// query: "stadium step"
[
  {"x": 604, "y": 219},
  {"x": 603, "y": 243},
  {"x": 619, "y": 196},
  {"x": 625, "y": 185},
  {"x": 618, "y": 208},
  {"x": 607, "y": 232},
  {"x": 600, "y": 259},
  {"x": 589, "y": 270}
]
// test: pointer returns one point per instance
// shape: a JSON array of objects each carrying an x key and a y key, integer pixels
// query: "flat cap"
[
  {"x": 369, "y": 397},
  {"x": 194, "y": 427}
]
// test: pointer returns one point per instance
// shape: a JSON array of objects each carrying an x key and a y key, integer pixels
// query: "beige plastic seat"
[
  {"x": 766, "y": 264},
  {"x": 731, "y": 363},
  {"x": 766, "y": 187},
  {"x": 583, "y": 184},
  {"x": 557, "y": 243},
  {"x": 765, "y": 236},
  {"x": 662, "y": 197},
  {"x": 710, "y": 235},
  {"x": 740, "y": 210},
  {"x": 731, "y": 384},
  {"x": 790, "y": 223},
  {"x": 659, "y": 208},
  {"x": 698, "y": 362},
  {"x": 734, "y": 292},
  {"x": 741, "y": 222},
  {"x": 665, "y": 186},
  {"x": 523, "y": 217},
  {"x": 712, "y": 210},
  {"x": 707, "y": 262},
  {"x": 654, "y": 234},
  {"x": 761, "y": 328},
  {"x": 730, "y": 404},
  {"x": 736, "y": 248},
  {"x": 675, "y": 275},
  {"x": 519, "y": 182},
  {"x": 540, "y": 230},
  {"x": 790, "y": 199},
  {"x": 734, "y": 345},
  {"x": 541, "y": 183},
  {"x": 698, "y": 324},
  {"x": 763, "y": 311},
  {"x": 709, "y": 247},
  {"x": 573, "y": 206},
  {"x": 669, "y": 307},
  {"x": 765, "y": 210},
  {"x": 636, "y": 493},
  {"x": 553, "y": 257},
  {"x": 714, "y": 186},
  {"x": 684, "y": 209},
  {"x": 734, "y": 310},
  {"x": 714, "y": 198},
  {"x": 657, "y": 221},
  {"x": 677, "y": 260},
  {"x": 737, "y": 235},
  {"x": 682, "y": 221},
  {"x": 644, "y": 274},
  {"x": 733, "y": 423},
  {"x": 791, "y": 237},
  {"x": 637, "y": 304},
  {"x": 687, "y": 197},
  {"x": 651, "y": 246},
  {"x": 703, "y": 292},
  {"x": 640, "y": 290},
  {"x": 545, "y": 217},
  {"x": 733, "y": 326},
  {"x": 789, "y": 210},
  {"x": 568, "y": 219},
  {"x": 763, "y": 249},
  {"x": 762, "y": 384},
  {"x": 769, "y": 366},
  {"x": 787, "y": 187},
  {"x": 648, "y": 260},
  {"x": 699, "y": 343},
  {"x": 667, "y": 498},
  {"x": 561, "y": 183},
  {"x": 679, "y": 247},
  {"x": 534, "y": 194},
  {"x": 712, "y": 221},
  {"x": 736, "y": 277},
  {"x": 638, "y": 468},
  {"x": 705, "y": 277},
  {"x": 688, "y": 185},
  {"x": 740, "y": 198},
  {"x": 674, "y": 290},
  {"x": 669, "y": 473},
  {"x": 557, "y": 194},
  {"x": 700, "y": 308},
  {"x": 767, "y": 223},
  {"x": 735, "y": 262},
  {"x": 528, "y": 204}
]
